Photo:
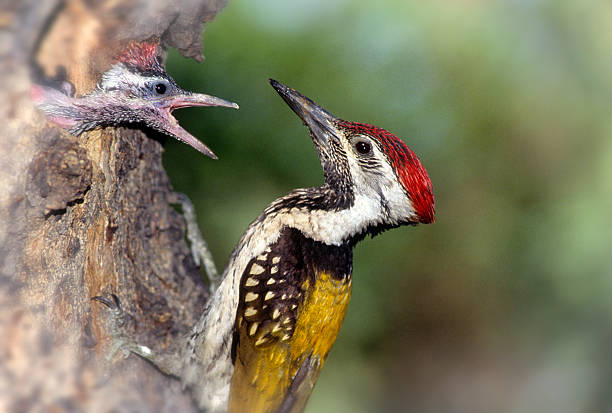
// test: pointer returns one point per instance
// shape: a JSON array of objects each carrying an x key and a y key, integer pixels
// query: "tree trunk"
[{"x": 88, "y": 215}]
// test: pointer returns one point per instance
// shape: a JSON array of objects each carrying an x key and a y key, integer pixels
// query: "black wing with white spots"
[{"x": 270, "y": 295}]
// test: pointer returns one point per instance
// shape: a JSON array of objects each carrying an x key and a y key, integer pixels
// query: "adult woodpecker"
[
  {"x": 136, "y": 89},
  {"x": 266, "y": 331}
]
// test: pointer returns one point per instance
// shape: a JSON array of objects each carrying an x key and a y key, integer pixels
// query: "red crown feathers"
[{"x": 143, "y": 55}]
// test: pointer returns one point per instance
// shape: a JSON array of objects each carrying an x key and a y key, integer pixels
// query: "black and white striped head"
[
  {"x": 372, "y": 176},
  {"x": 139, "y": 81},
  {"x": 139, "y": 74}
]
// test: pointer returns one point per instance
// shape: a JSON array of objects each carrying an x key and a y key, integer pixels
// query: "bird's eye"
[
  {"x": 363, "y": 147},
  {"x": 160, "y": 88}
]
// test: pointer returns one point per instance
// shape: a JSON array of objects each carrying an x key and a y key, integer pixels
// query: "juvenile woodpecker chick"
[
  {"x": 136, "y": 89},
  {"x": 266, "y": 332}
]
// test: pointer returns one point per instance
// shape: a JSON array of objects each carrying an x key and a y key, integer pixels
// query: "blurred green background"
[{"x": 503, "y": 305}]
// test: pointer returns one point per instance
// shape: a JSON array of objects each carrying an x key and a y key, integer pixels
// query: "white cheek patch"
[
  {"x": 399, "y": 205},
  {"x": 394, "y": 206}
]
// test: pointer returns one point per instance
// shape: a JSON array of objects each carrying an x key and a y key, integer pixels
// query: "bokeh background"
[{"x": 504, "y": 304}]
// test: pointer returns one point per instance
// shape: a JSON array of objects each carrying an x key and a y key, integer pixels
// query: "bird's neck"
[{"x": 322, "y": 214}]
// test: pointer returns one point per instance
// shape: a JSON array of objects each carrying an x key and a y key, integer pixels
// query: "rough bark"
[{"x": 82, "y": 216}]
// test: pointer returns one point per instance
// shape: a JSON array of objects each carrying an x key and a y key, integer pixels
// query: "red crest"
[{"x": 143, "y": 55}]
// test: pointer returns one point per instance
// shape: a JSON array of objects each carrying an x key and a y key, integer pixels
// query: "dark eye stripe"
[{"x": 370, "y": 164}]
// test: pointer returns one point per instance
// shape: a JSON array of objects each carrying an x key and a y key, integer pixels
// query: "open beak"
[
  {"x": 184, "y": 100},
  {"x": 321, "y": 123}
]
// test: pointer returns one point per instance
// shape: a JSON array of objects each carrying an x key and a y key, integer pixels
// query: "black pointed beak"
[{"x": 321, "y": 123}]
